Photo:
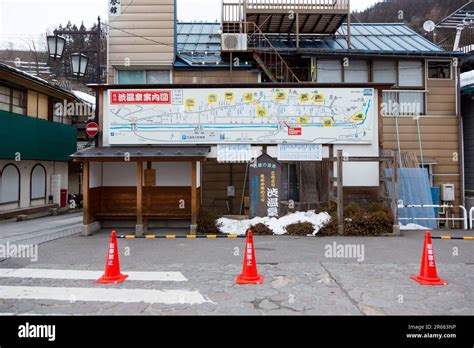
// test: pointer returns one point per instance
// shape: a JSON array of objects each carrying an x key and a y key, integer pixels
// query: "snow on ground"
[
  {"x": 278, "y": 226},
  {"x": 85, "y": 97},
  {"x": 413, "y": 227}
]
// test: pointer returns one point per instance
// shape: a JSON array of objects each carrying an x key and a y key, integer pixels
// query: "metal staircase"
[
  {"x": 268, "y": 58},
  {"x": 264, "y": 29}
]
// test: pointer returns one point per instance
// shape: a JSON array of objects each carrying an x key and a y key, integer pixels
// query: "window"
[
  {"x": 12, "y": 100},
  {"x": 329, "y": 71},
  {"x": 439, "y": 70},
  {"x": 38, "y": 182},
  {"x": 356, "y": 72},
  {"x": 410, "y": 73},
  {"x": 403, "y": 103},
  {"x": 289, "y": 180},
  {"x": 157, "y": 76},
  {"x": 136, "y": 77},
  {"x": 131, "y": 77},
  {"x": 10, "y": 184},
  {"x": 5, "y": 93},
  {"x": 385, "y": 71}
]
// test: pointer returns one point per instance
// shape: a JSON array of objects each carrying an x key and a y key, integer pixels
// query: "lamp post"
[
  {"x": 79, "y": 61},
  {"x": 79, "y": 64}
]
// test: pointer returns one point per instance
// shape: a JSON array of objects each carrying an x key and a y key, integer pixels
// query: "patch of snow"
[
  {"x": 31, "y": 75},
  {"x": 413, "y": 227},
  {"x": 85, "y": 97},
  {"x": 278, "y": 226},
  {"x": 467, "y": 78}
]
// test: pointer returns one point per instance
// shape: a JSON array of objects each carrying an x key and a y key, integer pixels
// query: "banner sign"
[
  {"x": 302, "y": 152},
  {"x": 265, "y": 187},
  {"x": 234, "y": 153},
  {"x": 239, "y": 116}
]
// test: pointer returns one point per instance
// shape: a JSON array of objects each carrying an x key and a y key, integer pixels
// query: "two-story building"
[
  {"x": 270, "y": 74},
  {"x": 36, "y": 141}
]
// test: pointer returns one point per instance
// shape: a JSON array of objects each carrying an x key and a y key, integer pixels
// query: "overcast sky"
[{"x": 22, "y": 20}]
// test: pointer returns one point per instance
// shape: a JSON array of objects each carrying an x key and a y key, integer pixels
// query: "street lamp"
[
  {"x": 55, "y": 46},
  {"x": 79, "y": 63}
]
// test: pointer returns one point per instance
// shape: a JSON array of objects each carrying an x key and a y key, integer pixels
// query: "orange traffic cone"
[
  {"x": 112, "y": 267},
  {"x": 428, "y": 274},
  {"x": 249, "y": 272}
]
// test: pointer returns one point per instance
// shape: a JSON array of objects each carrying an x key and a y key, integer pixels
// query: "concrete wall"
[{"x": 25, "y": 168}]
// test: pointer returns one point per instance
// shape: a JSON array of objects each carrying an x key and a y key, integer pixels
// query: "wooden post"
[
  {"x": 139, "y": 227},
  {"x": 297, "y": 30},
  {"x": 340, "y": 194},
  {"x": 396, "y": 224},
  {"x": 330, "y": 174},
  {"x": 86, "y": 216},
  {"x": 194, "y": 198}
]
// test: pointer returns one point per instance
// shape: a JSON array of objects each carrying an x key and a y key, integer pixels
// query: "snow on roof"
[
  {"x": 33, "y": 77},
  {"x": 467, "y": 78},
  {"x": 85, "y": 97}
]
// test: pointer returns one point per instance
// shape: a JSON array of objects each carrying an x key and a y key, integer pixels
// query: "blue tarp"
[{"x": 414, "y": 188}]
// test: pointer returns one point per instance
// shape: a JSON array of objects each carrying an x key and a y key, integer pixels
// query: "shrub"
[
  {"x": 206, "y": 222},
  {"x": 373, "y": 221},
  {"x": 261, "y": 230},
  {"x": 300, "y": 229}
]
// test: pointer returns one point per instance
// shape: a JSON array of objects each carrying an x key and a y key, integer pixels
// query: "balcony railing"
[
  {"x": 296, "y": 4},
  {"x": 233, "y": 10}
]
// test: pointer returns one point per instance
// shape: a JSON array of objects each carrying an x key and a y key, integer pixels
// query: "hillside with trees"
[{"x": 411, "y": 12}]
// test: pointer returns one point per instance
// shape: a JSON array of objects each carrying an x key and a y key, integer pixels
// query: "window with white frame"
[
  {"x": 38, "y": 182},
  {"x": 403, "y": 103},
  {"x": 410, "y": 74},
  {"x": 357, "y": 71},
  {"x": 385, "y": 71},
  {"x": 138, "y": 77},
  {"x": 329, "y": 71},
  {"x": 9, "y": 184}
]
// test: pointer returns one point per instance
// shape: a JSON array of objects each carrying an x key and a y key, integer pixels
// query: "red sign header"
[
  {"x": 140, "y": 97},
  {"x": 295, "y": 131}
]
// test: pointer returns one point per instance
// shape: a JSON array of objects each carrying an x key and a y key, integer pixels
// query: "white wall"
[
  {"x": 120, "y": 174},
  {"x": 25, "y": 167},
  {"x": 173, "y": 173},
  {"x": 95, "y": 174}
]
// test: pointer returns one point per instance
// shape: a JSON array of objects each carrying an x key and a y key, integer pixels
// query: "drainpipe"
[{"x": 461, "y": 134}]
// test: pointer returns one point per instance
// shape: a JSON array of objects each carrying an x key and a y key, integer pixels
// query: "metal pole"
[
  {"x": 396, "y": 224},
  {"x": 340, "y": 197},
  {"x": 98, "y": 72}
]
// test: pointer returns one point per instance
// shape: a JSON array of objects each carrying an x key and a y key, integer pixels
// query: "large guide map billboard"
[{"x": 239, "y": 116}]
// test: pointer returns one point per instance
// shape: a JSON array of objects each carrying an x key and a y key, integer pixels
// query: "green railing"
[{"x": 35, "y": 139}]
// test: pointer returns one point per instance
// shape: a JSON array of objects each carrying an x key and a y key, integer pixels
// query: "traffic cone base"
[
  {"x": 428, "y": 273},
  {"x": 249, "y": 273},
  {"x": 112, "y": 273},
  {"x": 428, "y": 281},
  {"x": 112, "y": 280},
  {"x": 242, "y": 279}
]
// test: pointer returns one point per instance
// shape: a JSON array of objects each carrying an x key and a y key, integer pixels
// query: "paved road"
[
  {"x": 300, "y": 278},
  {"x": 40, "y": 230}
]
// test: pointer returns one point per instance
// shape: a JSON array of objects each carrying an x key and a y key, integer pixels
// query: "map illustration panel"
[{"x": 240, "y": 115}]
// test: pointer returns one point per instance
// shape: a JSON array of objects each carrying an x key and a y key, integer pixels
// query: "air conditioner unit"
[{"x": 234, "y": 42}]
